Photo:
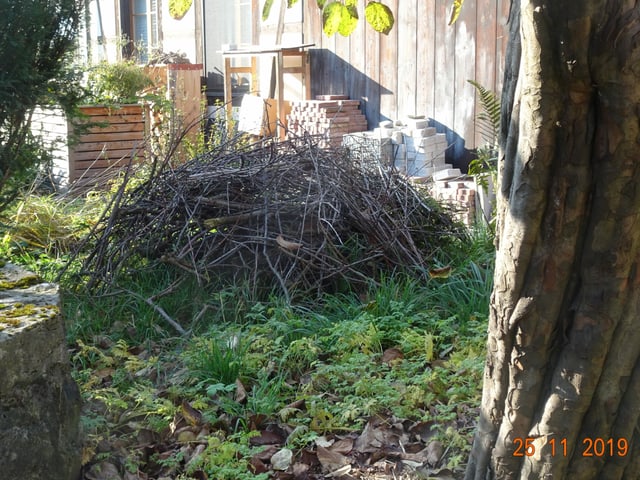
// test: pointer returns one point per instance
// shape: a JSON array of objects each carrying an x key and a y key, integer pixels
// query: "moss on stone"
[
  {"x": 24, "y": 282},
  {"x": 11, "y": 314}
]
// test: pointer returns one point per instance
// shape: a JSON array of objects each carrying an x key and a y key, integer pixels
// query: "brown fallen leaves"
[
  {"x": 386, "y": 448},
  {"x": 381, "y": 450}
]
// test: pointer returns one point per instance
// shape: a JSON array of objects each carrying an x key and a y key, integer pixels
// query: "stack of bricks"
[
  {"x": 453, "y": 188},
  {"x": 329, "y": 116}
]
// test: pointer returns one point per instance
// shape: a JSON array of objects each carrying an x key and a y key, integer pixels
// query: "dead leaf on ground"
[
  {"x": 241, "y": 392},
  {"x": 194, "y": 456},
  {"x": 343, "y": 446},
  {"x": 423, "y": 431},
  {"x": 339, "y": 472},
  {"x": 267, "y": 438},
  {"x": 190, "y": 414},
  {"x": 286, "y": 244},
  {"x": 443, "y": 272},
  {"x": 104, "y": 374},
  {"x": 375, "y": 438},
  {"x": 257, "y": 421},
  {"x": 430, "y": 455},
  {"x": 186, "y": 436},
  {"x": 329, "y": 460},
  {"x": 258, "y": 466},
  {"x": 392, "y": 356},
  {"x": 323, "y": 441},
  {"x": 300, "y": 470},
  {"x": 266, "y": 453},
  {"x": 434, "y": 452}
]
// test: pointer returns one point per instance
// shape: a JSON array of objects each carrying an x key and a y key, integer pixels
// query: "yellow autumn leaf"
[
  {"x": 379, "y": 16},
  {"x": 443, "y": 272},
  {"x": 266, "y": 9},
  {"x": 179, "y": 8},
  {"x": 455, "y": 11},
  {"x": 331, "y": 18}
]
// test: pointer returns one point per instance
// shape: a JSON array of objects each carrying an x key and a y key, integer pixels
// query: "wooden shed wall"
[{"x": 420, "y": 68}]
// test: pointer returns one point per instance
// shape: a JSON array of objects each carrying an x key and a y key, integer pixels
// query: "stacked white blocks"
[{"x": 420, "y": 151}]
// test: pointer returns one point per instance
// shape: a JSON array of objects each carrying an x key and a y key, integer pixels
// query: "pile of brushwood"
[{"x": 286, "y": 214}]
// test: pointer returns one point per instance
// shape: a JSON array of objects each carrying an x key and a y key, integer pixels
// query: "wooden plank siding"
[
  {"x": 117, "y": 137},
  {"x": 420, "y": 68}
]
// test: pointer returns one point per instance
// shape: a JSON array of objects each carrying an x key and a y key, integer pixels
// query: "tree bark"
[{"x": 561, "y": 395}]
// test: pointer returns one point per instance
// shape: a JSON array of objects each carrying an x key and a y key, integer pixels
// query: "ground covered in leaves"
[{"x": 379, "y": 385}]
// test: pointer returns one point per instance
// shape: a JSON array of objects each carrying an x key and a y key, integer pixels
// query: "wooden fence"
[{"x": 420, "y": 68}]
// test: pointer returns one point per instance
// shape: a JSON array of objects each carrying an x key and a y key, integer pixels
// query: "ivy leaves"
[
  {"x": 342, "y": 17},
  {"x": 266, "y": 9}
]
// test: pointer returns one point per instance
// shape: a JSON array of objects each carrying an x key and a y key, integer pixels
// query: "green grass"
[
  {"x": 329, "y": 357},
  {"x": 317, "y": 368}
]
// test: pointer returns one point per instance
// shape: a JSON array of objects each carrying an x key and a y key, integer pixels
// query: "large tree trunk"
[{"x": 562, "y": 376}]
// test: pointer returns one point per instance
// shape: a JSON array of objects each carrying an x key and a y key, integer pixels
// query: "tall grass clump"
[{"x": 42, "y": 231}]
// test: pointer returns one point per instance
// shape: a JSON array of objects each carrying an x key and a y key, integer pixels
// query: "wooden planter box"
[
  {"x": 117, "y": 138},
  {"x": 120, "y": 132}
]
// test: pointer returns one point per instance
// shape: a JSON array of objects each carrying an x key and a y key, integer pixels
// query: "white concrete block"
[
  {"x": 425, "y": 142},
  {"x": 447, "y": 173},
  {"x": 439, "y": 160},
  {"x": 424, "y": 132},
  {"x": 397, "y": 137},
  {"x": 416, "y": 123}
]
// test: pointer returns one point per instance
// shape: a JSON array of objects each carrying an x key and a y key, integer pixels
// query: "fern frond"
[{"x": 489, "y": 118}]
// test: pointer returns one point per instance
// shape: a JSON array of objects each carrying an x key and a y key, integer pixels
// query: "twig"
[{"x": 160, "y": 311}]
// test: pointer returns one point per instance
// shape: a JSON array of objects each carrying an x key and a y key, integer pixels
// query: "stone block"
[{"x": 39, "y": 401}]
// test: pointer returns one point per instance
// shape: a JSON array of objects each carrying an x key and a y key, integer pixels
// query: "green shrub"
[
  {"x": 37, "y": 38},
  {"x": 117, "y": 83}
]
